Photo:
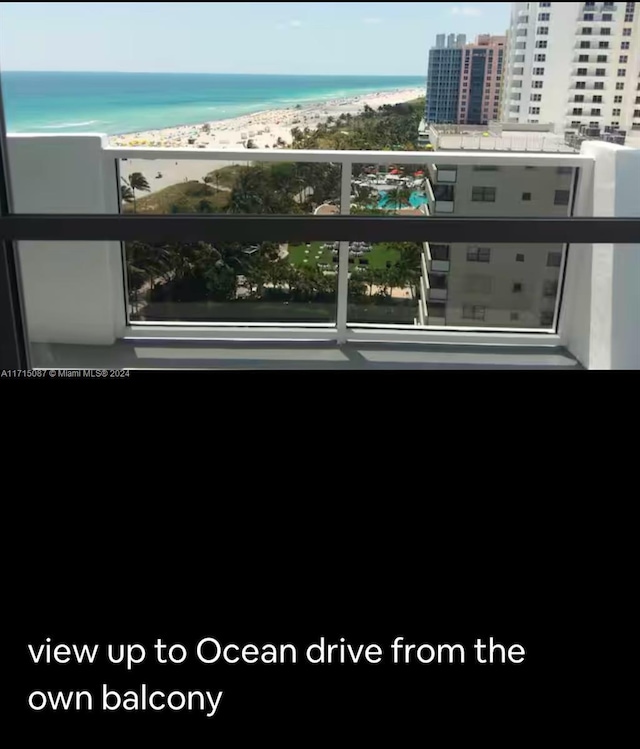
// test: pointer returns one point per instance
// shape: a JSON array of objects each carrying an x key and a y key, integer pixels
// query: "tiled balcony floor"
[{"x": 239, "y": 356}]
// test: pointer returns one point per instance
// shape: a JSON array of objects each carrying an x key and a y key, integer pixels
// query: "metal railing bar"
[
  {"x": 457, "y": 158},
  {"x": 319, "y": 228}
]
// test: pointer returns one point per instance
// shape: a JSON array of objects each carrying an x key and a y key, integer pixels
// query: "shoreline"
[
  {"x": 266, "y": 128},
  {"x": 302, "y": 105}
]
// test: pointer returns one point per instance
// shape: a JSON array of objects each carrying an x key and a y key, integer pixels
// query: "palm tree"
[
  {"x": 126, "y": 194},
  {"x": 136, "y": 181},
  {"x": 363, "y": 195},
  {"x": 401, "y": 196}
]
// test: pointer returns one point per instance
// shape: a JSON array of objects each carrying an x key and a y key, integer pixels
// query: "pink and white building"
[{"x": 481, "y": 80}]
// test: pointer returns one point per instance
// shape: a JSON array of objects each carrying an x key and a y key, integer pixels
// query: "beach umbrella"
[
  {"x": 419, "y": 174},
  {"x": 394, "y": 171}
]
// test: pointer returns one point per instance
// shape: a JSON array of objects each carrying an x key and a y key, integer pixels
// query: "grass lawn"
[
  {"x": 378, "y": 257},
  {"x": 186, "y": 195}
]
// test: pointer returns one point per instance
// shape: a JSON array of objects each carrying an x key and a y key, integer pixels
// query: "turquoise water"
[
  {"x": 115, "y": 103},
  {"x": 386, "y": 202}
]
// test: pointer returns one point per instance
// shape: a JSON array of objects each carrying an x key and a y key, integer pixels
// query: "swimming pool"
[{"x": 386, "y": 202}]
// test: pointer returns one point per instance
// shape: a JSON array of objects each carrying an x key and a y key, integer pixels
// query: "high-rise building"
[
  {"x": 465, "y": 80},
  {"x": 481, "y": 81},
  {"x": 443, "y": 82},
  {"x": 495, "y": 285},
  {"x": 573, "y": 64}
]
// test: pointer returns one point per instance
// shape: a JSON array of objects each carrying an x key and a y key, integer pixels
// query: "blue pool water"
[{"x": 416, "y": 200}]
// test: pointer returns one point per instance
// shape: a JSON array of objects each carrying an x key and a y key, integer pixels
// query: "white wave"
[{"x": 64, "y": 125}]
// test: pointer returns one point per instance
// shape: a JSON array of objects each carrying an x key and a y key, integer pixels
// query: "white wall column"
[
  {"x": 73, "y": 291},
  {"x": 600, "y": 322}
]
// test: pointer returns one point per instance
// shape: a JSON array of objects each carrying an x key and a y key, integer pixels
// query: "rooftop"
[{"x": 498, "y": 137}]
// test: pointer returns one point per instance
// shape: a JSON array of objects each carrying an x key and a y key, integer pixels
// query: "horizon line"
[{"x": 173, "y": 72}]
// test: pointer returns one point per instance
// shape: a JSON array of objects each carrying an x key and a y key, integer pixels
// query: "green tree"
[
  {"x": 137, "y": 181},
  {"x": 205, "y": 206},
  {"x": 126, "y": 194},
  {"x": 399, "y": 197}
]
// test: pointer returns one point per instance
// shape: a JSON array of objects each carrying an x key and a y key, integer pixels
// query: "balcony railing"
[{"x": 70, "y": 217}]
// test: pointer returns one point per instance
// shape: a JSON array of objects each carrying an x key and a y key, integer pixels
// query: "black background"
[
  {"x": 253, "y": 536},
  {"x": 423, "y": 597}
]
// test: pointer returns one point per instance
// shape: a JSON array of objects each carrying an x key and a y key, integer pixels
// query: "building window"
[
  {"x": 625, "y": 45},
  {"x": 588, "y": 17},
  {"x": 580, "y": 85},
  {"x": 554, "y": 259},
  {"x": 483, "y": 195},
  {"x": 479, "y": 255},
  {"x": 546, "y": 319},
  {"x": 587, "y": 31},
  {"x": 624, "y": 59},
  {"x": 473, "y": 312},
  {"x": 636, "y": 114},
  {"x": 597, "y": 100},
  {"x": 607, "y": 17},
  {"x": 603, "y": 45},
  {"x": 543, "y": 31},
  {"x": 579, "y": 98},
  {"x": 526, "y": 197},
  {"x": 540, "y": 58},
  {"x": 619, "y": 86},
  {"x": 617, "y": 99},
  {"x": 564, "y": 170},
  {"x": 602, "y": 58},
  {"x": 582, "y": 71},
  {"x": 544, "y": 16},
  {"x": 542, "y": 44},
  {"x": 577, "y": 112},
  {"x": 550, "y": 289},
  {"x": 598, "y": 86},
  {"x": 440, "y": 252},
  {"x": 583, "y": 58},
  {"x": 545, "y": 5},
  {"x": 536, "y": 97},
  {"x": 562, "y": 196},
  {"x": 538, "y": 71},
  {"x": 537, "y": 84},
  {"x": 600, "y": 72},
  {"x": 534, "y": 110},
  {"x": 585, "y": 45},
  {"x": 616, "y": 113},
  {"x": 517, "y": 288},
  {"x": 622, "y": 72},
  {"x": 605, "y": 32}
]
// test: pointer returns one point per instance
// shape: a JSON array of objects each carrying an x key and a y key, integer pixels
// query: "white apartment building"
[
  {"x": 573, "y": 64},
  {"x": 512, "y": 286}
]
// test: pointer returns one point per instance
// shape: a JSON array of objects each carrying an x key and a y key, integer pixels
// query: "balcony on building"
[{"x": 78, "y": 302}]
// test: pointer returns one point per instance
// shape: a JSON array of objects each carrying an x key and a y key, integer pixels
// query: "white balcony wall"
[
  {"x": 73, "y": 291},
  {"x": 600, "y": 321},
  {"x": 445, "y": 206},
  {"x": 447, "y": 176}
]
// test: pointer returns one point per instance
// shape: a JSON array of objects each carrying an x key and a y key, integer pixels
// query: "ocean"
[{"x": 117, "y": 103}]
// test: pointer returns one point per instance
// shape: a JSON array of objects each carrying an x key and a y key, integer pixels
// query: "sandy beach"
[{"x": 270, "y": 129}]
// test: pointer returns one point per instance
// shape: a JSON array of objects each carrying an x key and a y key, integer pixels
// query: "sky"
[{"x": 303, "y": 38}]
